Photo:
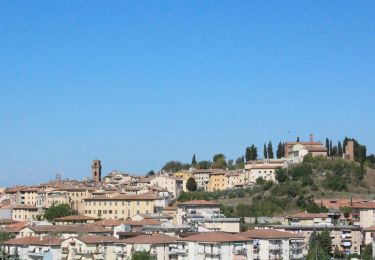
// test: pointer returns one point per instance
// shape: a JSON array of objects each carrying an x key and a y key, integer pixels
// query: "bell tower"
[{"x": 96, "y": 170}]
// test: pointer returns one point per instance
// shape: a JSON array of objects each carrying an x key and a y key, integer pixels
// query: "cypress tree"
[
  {"x": 270, "y": 150},
  {"x": 330, "y": 148},
  {"x": 327, "y": 146},
  {"x": 265, "y": 151},
  {"x": 193, "y": 161},
  {"x": 339, "y": 149}
]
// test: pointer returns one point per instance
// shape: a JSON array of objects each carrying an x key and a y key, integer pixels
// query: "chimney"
[{"x": 311, "y": 137}]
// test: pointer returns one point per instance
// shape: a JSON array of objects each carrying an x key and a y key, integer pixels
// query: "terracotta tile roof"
[
  {"x": 35, "y": 241},
  {"x": 149, "y": 239},
  {"x": 78, "y": 228},
  {"x": 336, "y": 203},
  {"x": 143, "y": 222},
  {"x": 75, "y": 218},
  {"x": 364, "y": 205},
  {"x": 265, "y": 166},
  {"x": 305, "y": 215},
  {"x": 369, "y": 229},
  {"x": 144, "y": 196},
  {"x": 109, "y": 222},
  {"x": 198, "y": 202},
  {"x": 25, "y": 207},
  {"x": 98, "y": 239},
  {"x": 215, "y": 237},
  {"x": 269, "y": 234}
]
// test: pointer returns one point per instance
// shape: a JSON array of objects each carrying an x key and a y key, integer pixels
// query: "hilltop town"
[{"x": 310, "y": 200}]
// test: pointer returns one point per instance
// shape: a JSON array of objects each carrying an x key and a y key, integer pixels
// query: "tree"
[
  {"x": 219, "y": 164},
  {"x": 57, "y": 211},
  {"x": 334, "y": 151},
  {"x": 251, "y": 153},
  {"x": 193, "y": 161},
  {"x": 240, "y": 162},
  {"x": 339, "y": 149},
  {"x": 204, "y": 164},
  {"x": 281, "y": 174},
  {"x": 141, "y": 255},
  {"x": 191, "y": 184},
  {"x": 175, "y": 166},
  {"x": 317, "y": 248},
  {"x": 297, "y": 139},
  {"x": 219, "y": 161},
  {"x": 280, "y": 150},
  {"x": 265, "y": 151},
  {"x": 330, "y": 148},
  {"x": 270, "y": 150},
  {"x": 151, "y": 173},
  {"x": 327, "y": 146}
]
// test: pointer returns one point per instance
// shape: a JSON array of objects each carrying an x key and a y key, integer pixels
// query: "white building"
[
  {"x": 33, "y": 248},
  {"x": 214, "y": 245},
  {"x": 265, "y": 169},
  {"x": 274, "y": 244}
]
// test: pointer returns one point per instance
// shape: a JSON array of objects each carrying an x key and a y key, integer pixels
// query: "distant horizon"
[
  {"x": 106, "y": 170},
  {"x": 137, "y": 84}
]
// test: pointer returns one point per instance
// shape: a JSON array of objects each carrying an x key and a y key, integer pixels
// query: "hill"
[{"x": 297, "y": 188}]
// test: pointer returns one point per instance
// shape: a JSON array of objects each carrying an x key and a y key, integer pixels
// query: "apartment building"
[
  {"x": 25, "y": 212},
  {"x": 76, "y": 196},
  {"x": 363, "y": 213},
  {"x": 275, "y": 244},
  {"x": 118, "y": 178},
  {"x": 304, "y": 218},
  {"x": 214, "y": 245},
  {"x": 26, "y": 196},
  {"x": 46, "y": 199},
  {"x": 33, "y": 248},
  {"x": 190, "y": 209},
  {"x": 120, "y": 206},
  {"x": 346, "y": 238},
  {"x": 89, "y": 247},
  {"x": 62, "y": 231},
  {"x": 161, "y": 247}
]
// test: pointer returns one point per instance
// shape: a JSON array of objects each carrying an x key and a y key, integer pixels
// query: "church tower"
[{"x": 96, "y": 171}]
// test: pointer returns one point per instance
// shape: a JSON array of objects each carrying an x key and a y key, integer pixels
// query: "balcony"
[
  {"x": 346, "y": 244},
  {"x": 240, "y": 251},
  {"x": 275, "y": 247},
  {"x": 177, "y": 251},
  {"x": 296, "y": 256}
]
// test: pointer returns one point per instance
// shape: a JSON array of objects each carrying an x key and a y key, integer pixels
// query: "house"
[
  {"x": 33, "y": 248},
  {"x": 304, "y": 218},
  {"x": 265, "y": 169},
  {"x": 173, "y": 184},
  {"x": 214, "y": 245},
  {"x": 274, "y": 244},
  {"x": 217, "y": 180},
  {"x": 296, "y": 151},
  {"x": 201, "y": 177}
]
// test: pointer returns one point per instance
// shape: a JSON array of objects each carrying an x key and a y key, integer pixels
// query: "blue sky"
[{"x": 138, "y": 83}]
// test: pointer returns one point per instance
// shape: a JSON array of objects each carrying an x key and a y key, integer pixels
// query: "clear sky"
[{"x": 138, "y": 83}]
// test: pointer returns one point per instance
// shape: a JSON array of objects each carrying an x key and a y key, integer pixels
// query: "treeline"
[{"x": 219, "y": 161}]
